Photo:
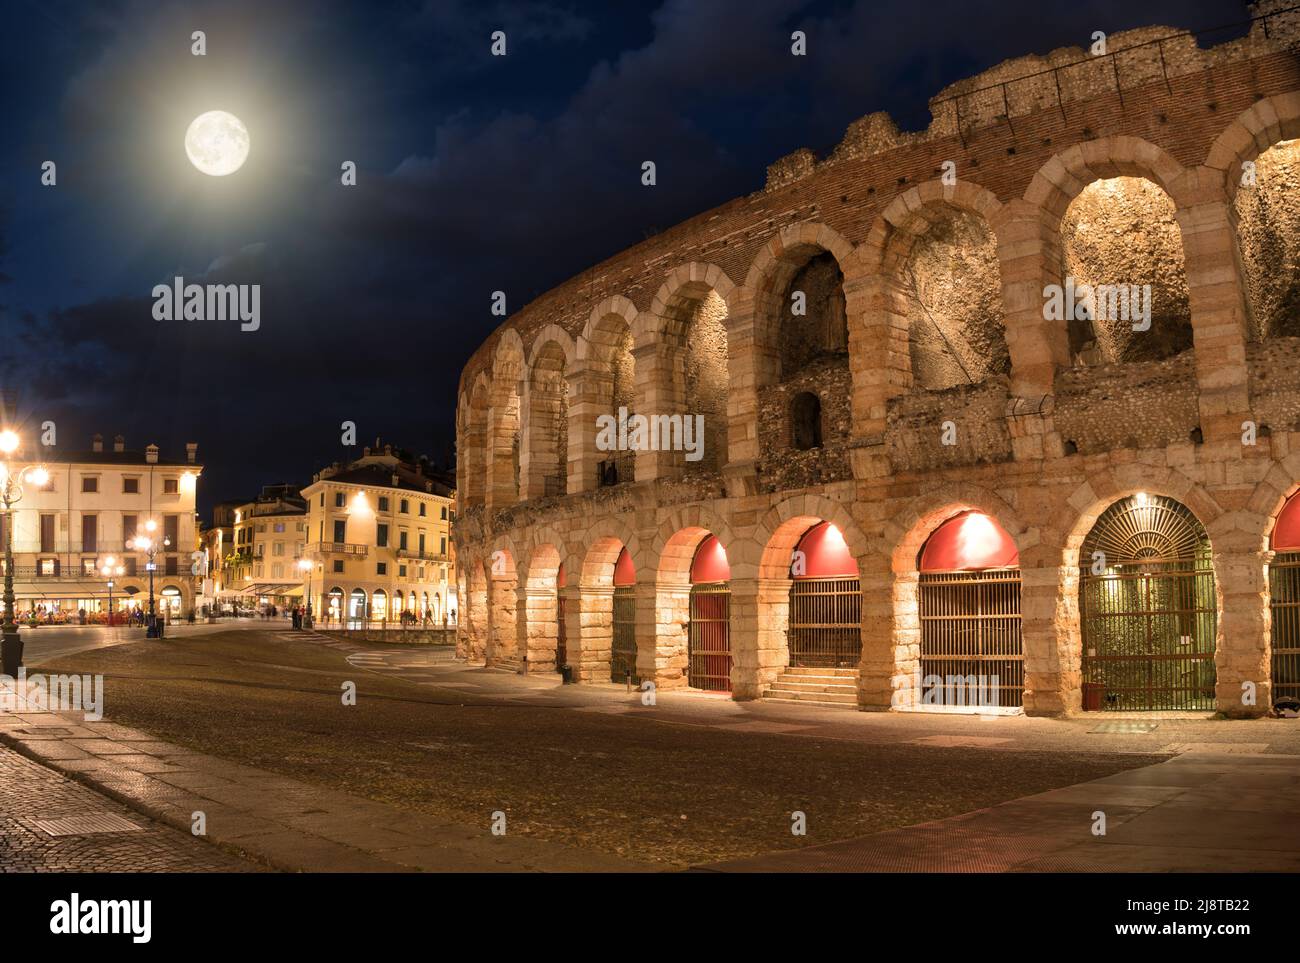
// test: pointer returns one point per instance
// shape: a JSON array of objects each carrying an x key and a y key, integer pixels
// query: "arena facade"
[{"x": 923, "y": 465}]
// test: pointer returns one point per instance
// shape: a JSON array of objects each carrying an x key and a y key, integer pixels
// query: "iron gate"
[
  {"x": 826, "y": 622},
  {"x": 622, "y": 657},
  {"x": 561, "y": 639},
  {"x": 710, "y": 637},
  {"x": 970, "y": 638},
  {"x": 1284, "y": 592},
  {"x": 1147, "y": 609}
]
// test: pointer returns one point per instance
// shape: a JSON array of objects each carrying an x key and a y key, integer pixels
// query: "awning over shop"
[
  {"x": 271, "y": 588},
  {"x": 66, "y": 590}
]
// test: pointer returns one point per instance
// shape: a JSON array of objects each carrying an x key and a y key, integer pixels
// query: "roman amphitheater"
[{"x": 923, "y": 484}]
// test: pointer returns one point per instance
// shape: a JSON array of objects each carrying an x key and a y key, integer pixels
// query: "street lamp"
[
  {"x": 11, "y": 492},
  {"x": 305, "y": 565},
  {"x": 111, "y": 568},
  {"x": 148, "y": 545}
]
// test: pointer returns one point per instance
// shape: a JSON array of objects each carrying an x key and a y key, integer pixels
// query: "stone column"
[
  {"x": 537, "y": 629},
  {"x": 1218, "y": 305},
  {"x": 502, "y": 627},
  {"x": 663, "y": 614},
  {"x": 590, "y": 395},
  {"x": 878, "y": 670},
  {"x": 659, "y": 391},
  {"x": 1052, "y": 663},
  {"x": 881, "y": 369},
  {"x": 1242, "y": 652},
  {"x": 591, "y": 624}
]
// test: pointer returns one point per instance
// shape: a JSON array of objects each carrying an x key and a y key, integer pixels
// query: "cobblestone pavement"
[{"x": 31, "y": 793}]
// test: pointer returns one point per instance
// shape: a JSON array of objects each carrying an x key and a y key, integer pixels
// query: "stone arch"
[
  {"x": 683, "y": 365},
  {"x": 606, "y": 383},
  {"x": 1270, "y": 494},
  {"x": 1087, "y": 503},
  {"x": 883, "y": 306},
  {"x": 474, "y": 607},
  {"x": 504, "y": 421},
  {"x": 1264, "y": 212},
  {"x": 538, "y": 625},
  {"x": 1264, "y": 124},
  {"x": 593, "y": 626},
  {"x": 802, "y": 353},
  {"x": 544, "y": 460}
]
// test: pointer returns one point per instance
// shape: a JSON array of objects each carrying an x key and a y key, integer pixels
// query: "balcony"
[
  {"x": 350, "y": 549},
  {"x": 425, "y": 556}
]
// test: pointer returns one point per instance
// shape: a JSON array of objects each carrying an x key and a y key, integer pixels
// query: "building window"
[
  {"x": 442, "y": 546},
  {"x": 444, "y": 513},
  {"x": 277, "y": 570},
  {"x": 278, "y": 549},
  {"x": 381, "y": 536},
  {"x": 47, "y": 533},
  {"x": 405, "y": 508},
  {"x": 90, "y": 533},
  {"x": 47, "y": 566},
  {"x": 170, "y": 567},
  {"x": 171, "y": 486},
  {"x": 340, "y": 530},
  {"x": 130, "y": 566},
  {"x": 322, "y": 499},
  {"x": 381, "y": 568},
  {"x": 90, "y": 483},
  {"x": 422, "y": 544},
  {"x": 422, "y": 506},
  {"x": 806, "y": 421},
  {"x": 278, "y": 527},
  {"x": 401, "y": 540},
  {"x": 383, "y": 503},
  {"x": 130, "y": 486},
  {"x": 87, "y": 566},
  {"x": 401, "y": 571},
  {"x": 171, "y": 531},
  {"x": 338, "y": 564},
  {"x": 338, "y": 499}
]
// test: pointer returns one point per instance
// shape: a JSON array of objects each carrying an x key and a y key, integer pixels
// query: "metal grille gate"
[
  {"x": 561, "y": 637},
  {"x": 826, "y": 622},
  {"x": 622, "y": 658},
  {"x": 710, "y": 637},
  {"x": 970, "y": 638},
  {"x": 1147, "y": 609},
  {"x": 1284, "y": 592}
]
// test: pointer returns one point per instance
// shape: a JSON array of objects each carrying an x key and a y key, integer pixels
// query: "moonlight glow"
[{"x": 217, "y": 143}]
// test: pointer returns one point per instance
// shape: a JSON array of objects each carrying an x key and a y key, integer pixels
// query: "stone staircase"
[
  {"x": 808, "y": 685},
  {"x": 510, "y": 664}
]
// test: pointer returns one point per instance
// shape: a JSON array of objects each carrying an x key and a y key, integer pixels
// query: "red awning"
[{"x": 969, "y": 542}]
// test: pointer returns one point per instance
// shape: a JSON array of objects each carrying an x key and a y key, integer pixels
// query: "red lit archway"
[
  {"x": 622, "y": 658},
  {"x": 969, "y": 610},
  {"x": 825, "y": 628},
  {"x": 1284, "y": 600},
  {"x": 710, "y": 628}
]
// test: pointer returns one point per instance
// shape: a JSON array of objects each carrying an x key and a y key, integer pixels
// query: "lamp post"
[
  {"x": 148, "y": 545},
  {"x": 111, "y": 568},
  {"x": 306, "y": 565},
  {"x": 11, "y": 492}
]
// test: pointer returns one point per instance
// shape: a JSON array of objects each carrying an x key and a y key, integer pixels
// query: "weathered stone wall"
[
  {"x": 823, "y": 329},
  {"x": 1268, "y": 227},
  {"x": 1275, "y": 383},
  {"x": 1140, "y": 405},
  {"x": 784, "y": 467},
  {"x": 917, "y": 427}
]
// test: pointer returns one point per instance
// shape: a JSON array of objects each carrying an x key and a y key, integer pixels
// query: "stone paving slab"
[
  {"x": 289, "y": 824},
  {"x": 1192, "y": 813}
]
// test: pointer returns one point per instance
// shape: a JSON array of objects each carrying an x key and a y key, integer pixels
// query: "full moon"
[{"x": 217, "y": 143}]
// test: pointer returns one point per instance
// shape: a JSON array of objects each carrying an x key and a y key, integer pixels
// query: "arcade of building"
[{"x": 918, "y": 476}]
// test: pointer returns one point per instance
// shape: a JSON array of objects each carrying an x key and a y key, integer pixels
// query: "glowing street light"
[
  {"x": 305, "y": 566},
  {"x": 110, "y": 569},
  {"x": 12, "y": 480},
  {"x": 149, "y": 545}
]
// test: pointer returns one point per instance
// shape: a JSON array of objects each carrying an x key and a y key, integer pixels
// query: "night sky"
[{"x": 475, "y": 173}]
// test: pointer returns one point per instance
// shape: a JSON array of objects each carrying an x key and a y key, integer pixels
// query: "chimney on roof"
[
  {"x": 151, "y": 454},
  {"x": 396, "y": 480},
  {"x": 191, "y": 451},
  {"x": 119, "y": 443},
  {"x": 97, "y": 442},
  {"x": 388, "y": 449}
]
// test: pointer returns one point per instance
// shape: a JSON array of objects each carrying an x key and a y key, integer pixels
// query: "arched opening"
[
  {"x": 1147, "y": 608},
  {"x": 547, "y": 452},
  {"x": 1267, "y": 208},
  {"x": 613, "y": 371},
  {"x": 825, "y": 602},
  {"x": 399, "y": 604},
  {"x": 1284, "y": 601},
  {"x": 950, "y": 287},
  {"x": 357, "y": 612},
  {"x": 476, "y": 620},
  {"x": 806, "y": 421},
  {"x": 379, "y": 605},
  {"x": 1120, "y": 239},
  {"x": 709, "y": 638},
  {"x": 504, "y": 445},
  {"x": 474, "y": 450},
  {"x": 334, "y": 606},
  {"x": 622, "y": 658},
  {"x": 969, "y": 606},
  {"x": 695, "y": 331}
]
